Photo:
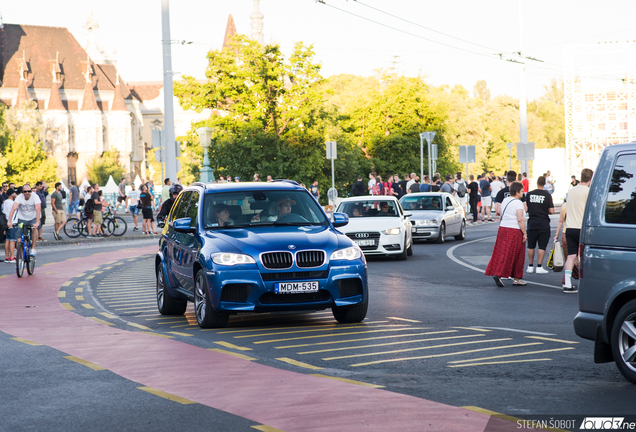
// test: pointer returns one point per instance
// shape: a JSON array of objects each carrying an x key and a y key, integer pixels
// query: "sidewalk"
[{"x": 278, "y": 398}]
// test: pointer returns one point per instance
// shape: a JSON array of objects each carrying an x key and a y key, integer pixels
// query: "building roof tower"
[
  {"x": 88, "y": 102},
  {"x": 23, "y": 70},
  {"x": 230, "y": 30},
  {"x": 55, "y": 101},
  {"x": 118, "y": 99},
  {"x": 257, "y": 23}
]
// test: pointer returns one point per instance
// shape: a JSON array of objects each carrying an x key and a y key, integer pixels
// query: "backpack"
[
  {"x": 89, "y": 206},
  {"x": 461, "y": 190}
]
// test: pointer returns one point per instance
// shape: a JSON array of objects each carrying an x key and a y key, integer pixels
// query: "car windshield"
[
  {"x": 369, "y": 208},
  {"x": 422, "y": 203},
  {"x": 260, "y": 208}
]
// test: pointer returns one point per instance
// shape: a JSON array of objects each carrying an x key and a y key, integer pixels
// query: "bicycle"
[
  {"x": 23, "y": 258},
  {"x": 111, "y": 225}
]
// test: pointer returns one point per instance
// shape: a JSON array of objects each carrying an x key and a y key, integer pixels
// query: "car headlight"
[
  {"x": 392, "y": 231},
  {"x": 230, "y": 259},
  {"x": 426, "y": 222},
  {"x": 349, "y": 254}
]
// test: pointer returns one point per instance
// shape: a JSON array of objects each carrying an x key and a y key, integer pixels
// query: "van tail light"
[{"x": 581, "y": 259}]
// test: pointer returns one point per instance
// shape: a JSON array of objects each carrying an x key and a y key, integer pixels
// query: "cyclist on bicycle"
[
  {"x": 175, "y": 190},
  {"x": 28, "y": 206}
]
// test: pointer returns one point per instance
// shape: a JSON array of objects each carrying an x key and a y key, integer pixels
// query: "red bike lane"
[{"x": 289, "y": 401}]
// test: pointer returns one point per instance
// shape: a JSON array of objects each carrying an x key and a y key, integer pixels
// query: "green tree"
[{"x": 100, "y": 168}]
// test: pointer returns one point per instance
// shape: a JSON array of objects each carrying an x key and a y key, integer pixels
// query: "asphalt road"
[{"x": 437, "y": 329}]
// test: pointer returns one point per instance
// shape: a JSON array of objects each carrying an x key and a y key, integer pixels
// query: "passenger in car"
[
  {"x": 222, "y": 212},
  {"x": 357, "y": 212}
]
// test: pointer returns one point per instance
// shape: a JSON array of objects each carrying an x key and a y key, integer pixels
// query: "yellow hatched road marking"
[
  {"x": 131, "y": 303},
  {"x": 168, "y": 396},
  {"x": 114, "y": 297},
  {"x": 323, "y": 326},
  {"x": 511, "y": 355},
  {"x": 26, "y": 341},
  {"x": 47, "y": 264},
  {"x": 101, "y": 321},
  {"x": 99, "y": 272},
  {"x": 241, "y": 356},
  {"x": 265, "y": 428},
  {"x": 87, "y": 306},
  {"x": 236, "y": 347},
  {"x": 139, "y": 326},
  {"x": 107, "y": 315},
  {"x": 471, "y": 328},
  {"x": 348, "y": 381},
  {"x": 335, "y": 327},
  {"x": 404, "y": 319},
  {"x": 67, "y": 283},
  {"x": 390, "y": 343},
  {"x": 445, "y": 354},
  {"x": 61, "y": 294},
  {"x": 157, "y": 334},
  {"x": 89, "y": 277},
  {"x": 297, "y": 363},
  {"x": 3, "y": 276},
  {"x": 336, "y": 335},
  {"x": 500, "y": 362},
  {"x": 83, "y": 283},
  {"x": 78, "y": 290},
  {"x": 156, "y": 318},
  {"x": 184, "y": 325},
  {"x": 180, "y": 334},
  {"x": 364, "y": 339},
  {"x": 105, "y": 268},
  {"x": 136, "y": 309},
  {"x": 79, "y": 297},
  {"x": 85, "y": 363},
  {"x": 552, "y": 340},
  {"x": 79, "y": 275},
  {"x": 68, "y": 306}
]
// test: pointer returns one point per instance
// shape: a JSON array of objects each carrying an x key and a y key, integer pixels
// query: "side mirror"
[
  {"x": 408, "y": 214},
  {"x": 450, "y": 208},
  {"x": 183, "y": 225},
  {"x": 340, "y": 219}
]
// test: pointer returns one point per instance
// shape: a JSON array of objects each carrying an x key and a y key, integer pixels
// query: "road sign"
[
  {"x": 332, "y": 194},
  {"x": 510, "y": 145},
  {"x": 525, "y": 151},
  {"x": 157, "y": 138},
  {"x": 331, "y": 150},
  {"x": 434, "y": 151},
  {"x": 467, "y": 154},
  {"x": 158, "y": 155}
]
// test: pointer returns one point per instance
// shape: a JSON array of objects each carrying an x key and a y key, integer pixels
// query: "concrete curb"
[{"x": 84, "y": 241}]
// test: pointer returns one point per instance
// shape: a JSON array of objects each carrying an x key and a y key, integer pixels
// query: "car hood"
[
  {"x": 371, "y": 224},
  {"x": 254, "y": 241},
  {"x": 425, "y": 214}
]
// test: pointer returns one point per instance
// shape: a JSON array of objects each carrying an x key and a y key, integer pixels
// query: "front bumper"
[
  {"x": 424, "y": 231},
  {"x": 341, "y": 283},
  {"x": 586, "y": 324}
]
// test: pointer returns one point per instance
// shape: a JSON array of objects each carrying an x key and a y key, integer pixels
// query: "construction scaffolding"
[{"x": 600, "y": 100}]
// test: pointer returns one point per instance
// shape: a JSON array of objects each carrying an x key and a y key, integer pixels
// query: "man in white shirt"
[
  {"x": 371, "y": 182},
  {"x": 410, "y": 182},
  {"x": 133, "y": 197},
  {"x": 28, "y": 207}
]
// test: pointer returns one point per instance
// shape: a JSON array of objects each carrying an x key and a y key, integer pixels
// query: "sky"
[{"x": 451, "y": 42}]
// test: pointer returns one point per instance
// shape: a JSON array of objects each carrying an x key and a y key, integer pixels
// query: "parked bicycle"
[
  {"x": 23, "y": 258},
  {"x": 111, "y": 225}
]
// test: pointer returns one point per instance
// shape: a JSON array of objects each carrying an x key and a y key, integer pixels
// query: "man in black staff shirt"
[
  {"x": 359, "y": 188},
  {"x": 511, "y": 176},
  {"x": 403, "y": 183},
  {"x": 473, "y": 195},
  {"x": 539, "y": 207}
]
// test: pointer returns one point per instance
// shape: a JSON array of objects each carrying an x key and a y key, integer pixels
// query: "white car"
[{"x": 378, "y": 225}]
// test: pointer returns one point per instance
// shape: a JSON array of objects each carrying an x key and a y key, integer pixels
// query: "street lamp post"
[{"x": 205, "y": 137}]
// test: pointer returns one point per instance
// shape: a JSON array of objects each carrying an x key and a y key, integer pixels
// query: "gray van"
[{"x": 607, "y": 285}]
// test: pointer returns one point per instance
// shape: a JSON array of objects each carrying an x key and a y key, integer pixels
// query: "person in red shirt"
[{"x": 525, "y": 182}]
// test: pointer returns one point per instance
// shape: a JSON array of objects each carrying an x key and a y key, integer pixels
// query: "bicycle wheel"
[
  {"x": 107, "y": 227},
  {"x": 72, "y": 227},
  {"x": 19, "y": 260},
  {"x": 30, "y": 263},
  {"x": 120, "y": 226},
  {"x": 82, "y": 227}
]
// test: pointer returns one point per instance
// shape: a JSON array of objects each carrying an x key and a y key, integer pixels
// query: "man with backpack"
[
  {"x": 89, "y": 206},
  {"x": 460, "y": 191}
]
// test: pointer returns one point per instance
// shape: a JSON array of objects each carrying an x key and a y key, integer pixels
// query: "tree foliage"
[{"x": 101, "y": 168}]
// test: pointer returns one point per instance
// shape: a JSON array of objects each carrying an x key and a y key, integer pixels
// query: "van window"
[{"x": 621, "y": 198}]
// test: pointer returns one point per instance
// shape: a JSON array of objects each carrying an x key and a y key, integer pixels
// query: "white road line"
[{"x": 449, "y": 254}]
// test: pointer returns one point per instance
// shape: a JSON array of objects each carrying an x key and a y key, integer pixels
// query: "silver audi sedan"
[{"x": 435, "y": 216}]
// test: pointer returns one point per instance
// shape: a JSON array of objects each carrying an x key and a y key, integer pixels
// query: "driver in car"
[
  {"x": 222, "y": 212},
  {"x": 384, "y": 209},
  {"x": 436, "y": 205},
  {"x": 284, "y": 206}
]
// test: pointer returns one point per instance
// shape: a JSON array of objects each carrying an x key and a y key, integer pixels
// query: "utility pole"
[
  {"x": 168, "y": 94},
  {"x": 523, "y": 110}
]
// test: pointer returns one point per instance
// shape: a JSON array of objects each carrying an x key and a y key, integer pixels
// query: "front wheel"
[
  {"x": 117, "y": 226},
  {"x": 207, "y": 317},
  {"x": 624, "y": 341},
  {"x": 19, "y": 260},
  {"x": 30, "y": 264},
  {"x": 404, "y": 253},
  {"x": 462, "y": 232},
  {"x": 442, "y": 233},
  {"x": 351, "y": 314},
  {"x": 72, "y": 228}
]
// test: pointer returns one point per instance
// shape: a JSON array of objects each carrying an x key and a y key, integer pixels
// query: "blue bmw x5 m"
[{"x": 257, "y": 247}]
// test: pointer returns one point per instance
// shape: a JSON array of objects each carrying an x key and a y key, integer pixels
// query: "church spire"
[
  {"x": 230, "y": 30},
  {"x": 118, "y": 99},
  {"x": 55, "y": 102},
  {"x": 23, "y": 92},
  {"x": 257, "y": 23},
  {"x": 88, "y": 102}
]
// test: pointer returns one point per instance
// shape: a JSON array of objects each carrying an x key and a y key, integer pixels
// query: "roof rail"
[
  {"x": 203, "y": 185},
  {"x": 287, "y": 181}
]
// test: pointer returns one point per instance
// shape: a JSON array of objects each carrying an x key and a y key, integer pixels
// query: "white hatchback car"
[{"x": 378, "y": 225}]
